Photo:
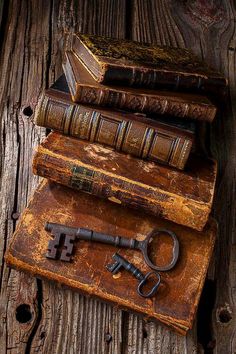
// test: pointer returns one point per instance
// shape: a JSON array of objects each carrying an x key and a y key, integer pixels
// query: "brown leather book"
[
  {"x": 131, "y": 63},
  {"x": 184, "y": 197},
  {"x": 84, "y": 89},
  {"x": 177, "y": 298},
  {"x": 126, "y": 132}
]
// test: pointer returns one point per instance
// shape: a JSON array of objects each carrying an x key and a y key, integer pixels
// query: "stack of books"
[{"x": 122, "y": 159}]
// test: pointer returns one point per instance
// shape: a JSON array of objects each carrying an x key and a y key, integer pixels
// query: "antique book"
[
  {"x": 184, "y": 197},
  {"x": 61, "y": 86},
  {"x": 193, "y": 126},
  {"x": 176, "y": 300},
  {"x": 126, "y": 132},
  {"x": 84, "y": 89},
  {"x": 131, "y": 63}
]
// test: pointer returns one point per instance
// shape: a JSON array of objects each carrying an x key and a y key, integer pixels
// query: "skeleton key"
[
  {"x": 144, "y": 279},
  {"x": 64, "y": 237}
]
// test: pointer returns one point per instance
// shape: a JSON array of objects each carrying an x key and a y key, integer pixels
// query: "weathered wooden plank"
[
  {"x": 58, "y": 321},
  {"x": 208, "y": 28},
  {"x": 17, "y": 134},
  {"x": 71, "y": 323},
  {"x": 30, "y": 61}
]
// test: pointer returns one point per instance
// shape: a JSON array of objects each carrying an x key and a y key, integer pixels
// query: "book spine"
[
  {"x": 143, "y": 103},
  {"x": 137, "y": 138},
  {"x": 149, "y": 77},
  {"x": 85, "y": 177},
  {"x": 171, "y": 80}
]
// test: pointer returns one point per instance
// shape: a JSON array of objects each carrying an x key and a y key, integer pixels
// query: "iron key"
[
  {"x": 65, "y": 236},
  {"x": 142, "y": 278}
]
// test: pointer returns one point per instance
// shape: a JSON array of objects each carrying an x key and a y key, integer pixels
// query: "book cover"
[
  {"x": 84, "y": 89},
  {"x": 126, "y": 132},
  {"x": 176, "y": 301},
  {"x": 184, "y": 197},
  {"x": 131, "y": 63}
]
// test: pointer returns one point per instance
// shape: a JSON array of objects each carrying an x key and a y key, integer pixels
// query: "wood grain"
[
  {"x": 30, "y": 62},
  {"x": 62, "y": 321},
  {"x": 211, "y": 33},
  {"x": 208, "y": 28}
]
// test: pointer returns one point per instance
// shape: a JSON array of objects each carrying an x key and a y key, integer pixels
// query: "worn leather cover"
[
  {"x": 131, "y": 63},
  {"x": 127, "y": 132},
  {"x": 84, "y": 89},
  {"x": 184, "y": 197},
  {"x": 175, "y": 303},
  {"x": 61, "y": 85}
]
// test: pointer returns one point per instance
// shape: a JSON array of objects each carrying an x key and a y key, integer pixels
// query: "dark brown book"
[
  {"x": 131, "y": 63},
  {"x": 84, "y": 89},
  {"x": 177, "y": 298},
  {"x": 126, "y": 132},
  {"x": 184, "y": 197}
]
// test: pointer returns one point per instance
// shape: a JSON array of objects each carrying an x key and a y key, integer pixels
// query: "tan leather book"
[
  {"x": 131, "y": 63},
  {"x": 133, "y": 134},
  {"x": 184, "y": 197},
  {"x": 176, "y": 300},
  {"x": 84, "y": 89}
]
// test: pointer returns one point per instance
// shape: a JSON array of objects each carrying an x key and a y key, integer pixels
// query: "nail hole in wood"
[
  {"x": 27, "y": 111},
  {"x": 224, "y": 316},
  {"x": 23, "y": 313},
  {"x": 15, "y": 216},
  {"x": 145, "y": 333},
  {"x": 108, "y": 337}
]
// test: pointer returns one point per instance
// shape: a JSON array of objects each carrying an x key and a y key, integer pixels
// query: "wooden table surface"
[{"x": 39, "y": 317}]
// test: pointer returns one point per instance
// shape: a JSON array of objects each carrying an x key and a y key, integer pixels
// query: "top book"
[{"x": 130, "y": 63}]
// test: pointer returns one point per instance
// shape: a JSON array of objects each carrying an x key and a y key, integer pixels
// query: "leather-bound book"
[
  {"x": 131, "y": 63},
  {"x": 86, "y": 90},
  {"x": 176, "y": 300},
  {"x": 127, "y": 132},
  {"x": 184, "y": 197}
]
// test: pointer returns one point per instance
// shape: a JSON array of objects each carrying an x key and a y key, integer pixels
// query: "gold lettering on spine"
[
  {"x": 131, "y": 141},
  {"x": 161, "y": 147},
  {"x": 56, "y": 115},
  {"x": 80, "y": 124}
]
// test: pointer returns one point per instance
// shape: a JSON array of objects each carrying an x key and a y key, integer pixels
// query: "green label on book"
[{"x": 82, "y": 178}]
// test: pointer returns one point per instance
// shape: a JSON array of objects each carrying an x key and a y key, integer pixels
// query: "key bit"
[
  {"x": 121, "y": 262},
  {"x": 114, "y": 267}
]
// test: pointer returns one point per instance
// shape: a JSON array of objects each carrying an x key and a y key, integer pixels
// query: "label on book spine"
[{"x": 82, "y": 178}]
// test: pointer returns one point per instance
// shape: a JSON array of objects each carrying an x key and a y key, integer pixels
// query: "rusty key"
[
  {"x": 143, "y": 279},
  {"x": 64, "y": 237}
]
